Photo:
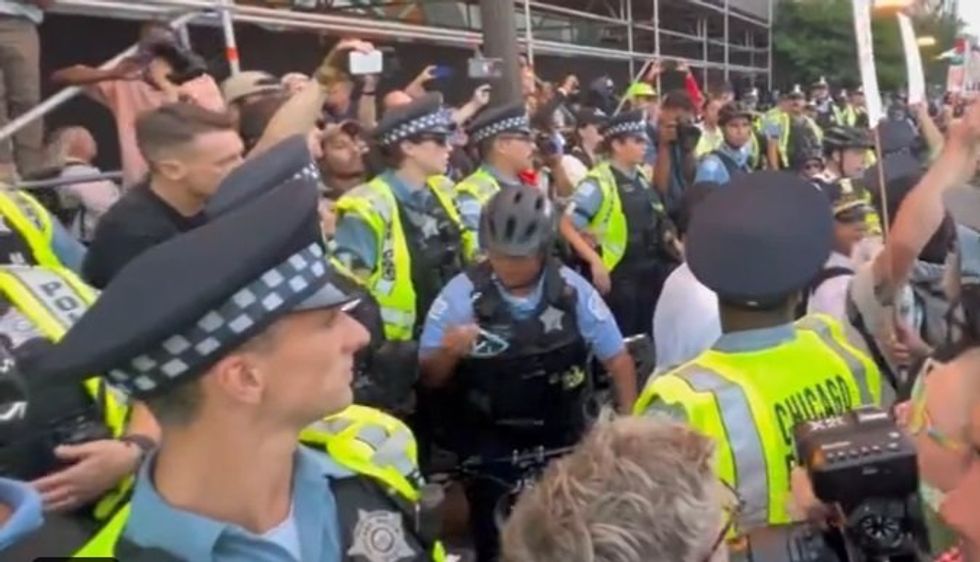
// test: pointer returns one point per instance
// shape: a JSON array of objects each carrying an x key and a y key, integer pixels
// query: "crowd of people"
[{"x": 314, "y": 325}]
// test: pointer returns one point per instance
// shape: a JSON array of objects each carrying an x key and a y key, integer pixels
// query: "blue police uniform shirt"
[
  {"x": 70, "y": 252},
  {"x": 712, "y": 169},
  {"x": 587, "y": 198},
  {"x": 311, "y": 533},
  {"x": 25, "y": 517},
  {"x": 470, "y": 208},
  {"x": 354, "y": 240},
  {"x": 454, "y": 307}
]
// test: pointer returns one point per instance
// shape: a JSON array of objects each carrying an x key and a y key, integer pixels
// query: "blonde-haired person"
[{"x": 635, "y": 490}]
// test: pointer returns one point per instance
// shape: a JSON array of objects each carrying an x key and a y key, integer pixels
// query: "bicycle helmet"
[
  {"x": 842, "y": 138},
  {"x": 734, "y": 110},
  {"x": 518, "y": 222}
]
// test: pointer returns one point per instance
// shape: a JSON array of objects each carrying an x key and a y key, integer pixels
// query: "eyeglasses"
[
  {"x": 920, "y": 420},
  {"x": 733, "y": 509}
]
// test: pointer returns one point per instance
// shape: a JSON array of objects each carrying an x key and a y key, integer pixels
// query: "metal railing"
[{"x": 225, "y": 13}]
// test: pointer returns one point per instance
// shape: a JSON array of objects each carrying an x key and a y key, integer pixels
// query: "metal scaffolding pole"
[
  {"x": 629, "y": 34},
  {"x": 529, "y": 34},
  {"x": 500, "y": 41},
  {"x": 228, "y": 27},
  {"x": 769, "y": 47},
  {"x": 728, "y": 42},
  {"x": 704, "y": 34}
]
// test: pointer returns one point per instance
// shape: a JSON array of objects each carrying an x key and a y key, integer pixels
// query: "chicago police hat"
[
  {"x": 495, "y": 121},
  {"x": 426, "y": 115},
  {"x": 761, "y": 238},
  {"x": 177, "y": 309}
]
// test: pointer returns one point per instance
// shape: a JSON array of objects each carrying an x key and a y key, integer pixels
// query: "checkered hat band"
[
  {"x": 224, "y": 325},
  {"x": 513, "y": 124},
  {"x": 438, "y": 121},
  {"x": 628, "y": 128}
]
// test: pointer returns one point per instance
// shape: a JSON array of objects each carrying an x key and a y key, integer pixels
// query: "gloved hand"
[{"x": 24, "y": 515}]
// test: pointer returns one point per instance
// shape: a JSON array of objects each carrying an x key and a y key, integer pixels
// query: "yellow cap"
[{"x": 640, "y": 89}]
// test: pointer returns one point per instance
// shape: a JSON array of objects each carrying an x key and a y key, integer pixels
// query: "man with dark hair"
[
  {"x": 162, "y": 72},
  {"x": 677, "y": 137},
  {"x": 791, "y": 132},
  {"x": 189, "y": 150}
]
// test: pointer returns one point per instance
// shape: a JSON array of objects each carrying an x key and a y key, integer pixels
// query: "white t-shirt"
[
  {"x": 574, "y": 168},
  {"x": 686, "y": 321},
  {"x": 831, "y": 296}
]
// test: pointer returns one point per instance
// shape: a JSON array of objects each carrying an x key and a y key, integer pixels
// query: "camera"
[
  {"x": 187, "y": 65},
  {"x": 863, "y": 463},
  {"x": 688, "y": 135}
]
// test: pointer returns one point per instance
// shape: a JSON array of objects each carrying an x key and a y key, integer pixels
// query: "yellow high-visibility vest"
[
  {"x": 52, "y": 299},
  {"x": 608, "y": 226},
  {"x": 391, "y": 279},
  {"x": 750, "y": 402}
]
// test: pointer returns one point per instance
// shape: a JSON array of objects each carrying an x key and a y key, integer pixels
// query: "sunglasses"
[
  {"x": 733, "y": 509},
  {"x": 439, "y": 139}
]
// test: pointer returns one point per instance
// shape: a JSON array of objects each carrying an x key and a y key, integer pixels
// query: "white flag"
[
  {"x": 866, "y": 60},
  {"x": 913, "y": 61}
]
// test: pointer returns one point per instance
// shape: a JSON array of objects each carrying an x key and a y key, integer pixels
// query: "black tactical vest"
[
  {"x": 534, "y": 388},
  {"x": 644, "y": 224},
  {"x": 435, "y": 247}
]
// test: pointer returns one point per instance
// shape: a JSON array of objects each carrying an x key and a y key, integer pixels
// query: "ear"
[
  {"x": 239, "y": 379},
  {"x": 173, "y": 170}
]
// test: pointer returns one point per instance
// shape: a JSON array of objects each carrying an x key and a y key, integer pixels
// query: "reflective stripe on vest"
[
  {"x": 33, "y": 222},
  {"x": 53, "y": 299},
  {"x": 372, "y": 443},
  {"x": 481, "y": 185},
  {"x": 444, "y": 190},
  {"x": 391, "y": 280},
  {"x": 785, "y": 125},
  {"x": 819, "y": 326},
  {"x": 813, "y": 375},
  {"x": 609, "y": 223},
  {"x": 747, "y": 450}
]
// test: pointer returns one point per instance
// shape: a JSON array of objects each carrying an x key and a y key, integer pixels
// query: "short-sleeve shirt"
[
  {"x": 128, "y": 99},
  {"x": 713, "y": 169},
  {"x": 312, "y": 526},
  {"x": 356, "y": 244},
  {"x": 588, "y": 197},
  {"x": 454, "y": 307},
  {"x": 877, "y": 316},
  {"x": 137, "y": 222}
]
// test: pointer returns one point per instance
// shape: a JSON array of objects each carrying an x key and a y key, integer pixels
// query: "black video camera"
[
  {"x": 862, "y": 462},
  {"x": 187, "y": 65},
  {"x": 688, "y": 135}
]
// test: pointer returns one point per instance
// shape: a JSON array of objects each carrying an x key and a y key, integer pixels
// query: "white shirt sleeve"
[{"x": 575, "y": 170}]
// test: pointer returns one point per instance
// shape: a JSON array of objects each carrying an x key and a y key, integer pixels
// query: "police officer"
[
  {"x": 241, "y": 347},
  {"x": 765, "y": 374},
  {"x": 30, "y": 235},
  {"x": 821, "y": 99},
  {"x": 791, "y": 132},
  {"x": 400, "y": 233},
  {"x": 504, "y": 140},
  {"x": 617, "y": 208},
  {"x": 846, "y": 152},
  {"x": 734, "y": 156},
  {"x": 78, "y": 443},
  {"x": 856, "y": 114},
  {"x": 510, "y": 342}
]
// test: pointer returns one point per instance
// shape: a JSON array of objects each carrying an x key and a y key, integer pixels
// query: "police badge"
[{"x": 379, "y": 537}]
